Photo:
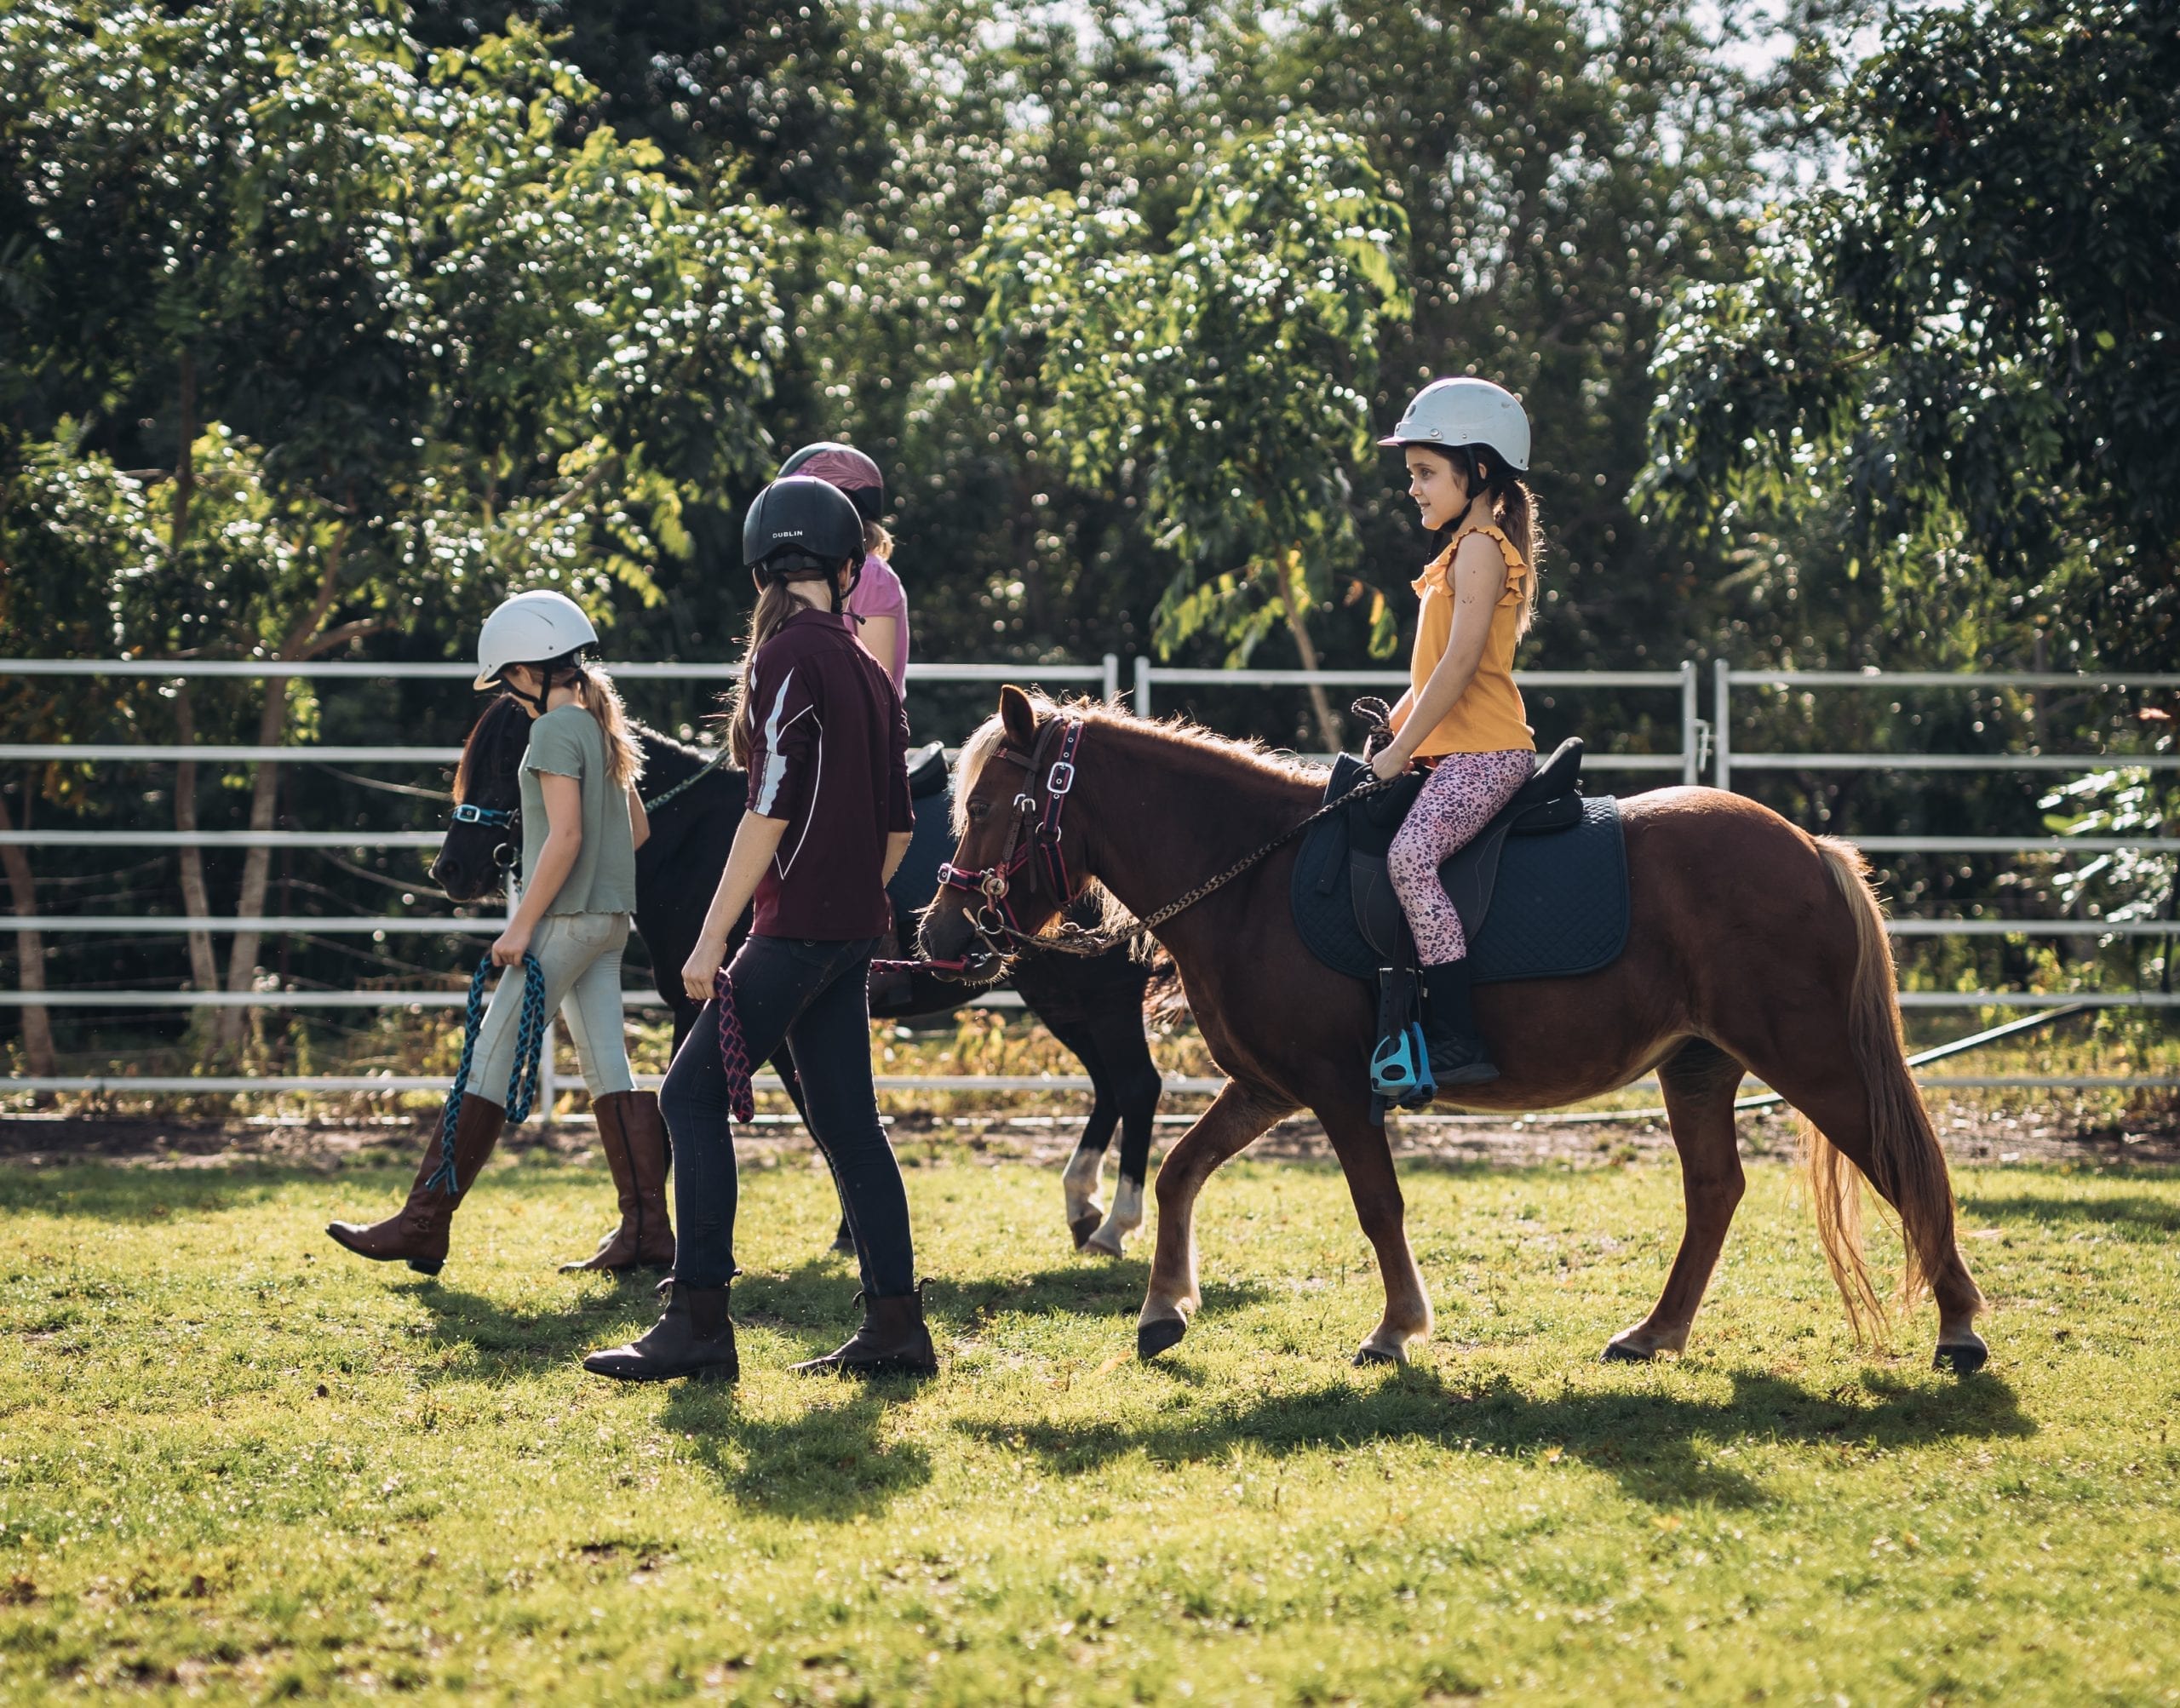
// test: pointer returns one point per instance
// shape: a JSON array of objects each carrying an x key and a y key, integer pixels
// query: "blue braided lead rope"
[{"x": 522, "y": 1082}]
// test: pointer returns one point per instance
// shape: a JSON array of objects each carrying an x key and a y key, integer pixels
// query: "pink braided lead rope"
[{"x": 733, "y": 1050}]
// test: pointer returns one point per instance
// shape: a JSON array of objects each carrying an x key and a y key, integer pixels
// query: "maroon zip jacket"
[{"x": 829, "y": 753}]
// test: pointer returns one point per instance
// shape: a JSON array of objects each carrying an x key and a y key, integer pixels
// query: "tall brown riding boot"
[
  {"x": 694, "y": 1337},
  {"x": 633, "y": 1135},
  {"x": 415, "y": 1234},
  {"x": 893, "y": 1341}
]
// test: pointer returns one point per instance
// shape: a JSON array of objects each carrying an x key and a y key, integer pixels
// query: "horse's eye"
[{"x": 979, "y": 810}]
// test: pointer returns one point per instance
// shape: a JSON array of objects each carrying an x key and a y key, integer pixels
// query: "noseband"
[
  {"x": 492, "y": 818},
  {"x": 1033, "y": 841}
]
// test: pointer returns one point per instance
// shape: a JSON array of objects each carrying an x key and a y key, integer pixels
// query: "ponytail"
[
  {"x": 1514, "y": 512},
  {"x": 877, "y": 542},
  {"x": 775, "y": 605},
  {"x": 624, "y": 755},
  {"x": 1517, "y": 516}
]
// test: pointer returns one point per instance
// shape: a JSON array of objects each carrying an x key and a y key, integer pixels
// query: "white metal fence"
[{"x": 1703, "y": 745}]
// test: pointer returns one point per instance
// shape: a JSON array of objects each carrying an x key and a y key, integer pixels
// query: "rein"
[{"x": 994, "y": 922}]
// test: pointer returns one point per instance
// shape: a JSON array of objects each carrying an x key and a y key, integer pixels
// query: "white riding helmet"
[
  {"x": 1465, "y": 411},
  {"x": 530, "y": 628}
]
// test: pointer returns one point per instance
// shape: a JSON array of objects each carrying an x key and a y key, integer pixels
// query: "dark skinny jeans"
[{"x": 815, "y": 995}]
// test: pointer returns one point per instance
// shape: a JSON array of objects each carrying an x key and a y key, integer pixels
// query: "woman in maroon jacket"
[{"x": 818, "y": 724}]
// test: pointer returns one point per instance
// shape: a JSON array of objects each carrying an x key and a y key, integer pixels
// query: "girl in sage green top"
[{"x": 582, "y": 823}]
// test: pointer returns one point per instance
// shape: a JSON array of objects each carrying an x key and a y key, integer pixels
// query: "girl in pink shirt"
[{"x": 879, "y": 604}]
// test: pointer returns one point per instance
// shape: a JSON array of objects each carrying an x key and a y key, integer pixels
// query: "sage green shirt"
[{"x": 568, "y": 742}]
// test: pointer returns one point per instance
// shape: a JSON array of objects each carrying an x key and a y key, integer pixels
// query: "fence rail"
[{"x": 1704, "y": 745}]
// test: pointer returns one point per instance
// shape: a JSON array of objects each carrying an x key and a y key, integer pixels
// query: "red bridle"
[{"x": 1039, "y": 850}]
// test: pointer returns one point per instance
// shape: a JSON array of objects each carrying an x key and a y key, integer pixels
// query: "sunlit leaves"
[{"x": 1228, "y": 363}]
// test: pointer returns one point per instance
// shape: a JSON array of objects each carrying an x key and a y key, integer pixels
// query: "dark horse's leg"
[
  {"x": 1080, "y": 1182},
  {"x": 1237, "y": 1117},
  {"x": 1124, "y": 1057},
  {"x": 1699, "y": 1081}
]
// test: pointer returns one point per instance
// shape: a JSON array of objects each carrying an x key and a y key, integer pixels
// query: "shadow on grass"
[
  {"x": 1653, "y": 1444},
  {"x": 2133, "y": 1211},
  {"x": 831, "y": 1461}
]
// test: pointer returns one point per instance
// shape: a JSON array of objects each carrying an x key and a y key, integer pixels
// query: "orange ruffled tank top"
[{"x": 1489, "y": 718}]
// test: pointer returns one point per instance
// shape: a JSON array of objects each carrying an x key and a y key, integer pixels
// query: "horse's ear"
[{"x": 1018, "y": 717}]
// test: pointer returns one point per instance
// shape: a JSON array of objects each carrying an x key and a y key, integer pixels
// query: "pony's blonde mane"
[{"x": 990, "y": 735}]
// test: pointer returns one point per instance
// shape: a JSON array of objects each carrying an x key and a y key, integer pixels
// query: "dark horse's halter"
[{"x": 994, "y": 919}]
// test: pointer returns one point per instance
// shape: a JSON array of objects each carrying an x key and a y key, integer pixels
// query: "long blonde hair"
[
  {"x": 624, "y": 756},
  {"x": 775, "y": 605}
]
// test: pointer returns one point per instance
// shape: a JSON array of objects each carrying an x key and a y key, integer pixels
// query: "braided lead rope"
[
  {"x": 529, "y": 1041},
  {"x": 733, "y": 1050}
]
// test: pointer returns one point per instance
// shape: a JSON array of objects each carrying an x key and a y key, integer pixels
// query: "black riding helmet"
[
  {"x": 845, "y": 468},
  {"x": 800, "y": 528}
]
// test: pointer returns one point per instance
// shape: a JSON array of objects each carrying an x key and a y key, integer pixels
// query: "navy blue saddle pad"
[
  {"x": 1557, "y": 908},
  {"x": 932, "y": 843}
]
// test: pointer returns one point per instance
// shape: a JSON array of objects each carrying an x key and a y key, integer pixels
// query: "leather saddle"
[{"x": 1549, "y": 801}]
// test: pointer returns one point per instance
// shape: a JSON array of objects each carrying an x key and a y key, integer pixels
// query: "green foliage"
[
  {"x": 235, "y": 1461},
  {"x": 1969, "y": 346},
  {"x": 1231, "y": 366},
  {"x": 465, "y": 348}
]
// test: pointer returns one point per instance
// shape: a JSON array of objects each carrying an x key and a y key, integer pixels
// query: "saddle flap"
[{"x": 1562, "y": 813}]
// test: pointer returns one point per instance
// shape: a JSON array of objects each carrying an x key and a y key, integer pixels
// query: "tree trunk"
[
  {"x": 1293, "y": 596},
  {"x": 308, "y": 638},
  {"x": 30, "y": 948},
  {"x": 256, "y": 863},
  {"x": 196, "y": 896}
]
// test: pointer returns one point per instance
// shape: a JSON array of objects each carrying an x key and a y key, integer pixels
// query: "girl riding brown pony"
[{"x": 1753, "y": 947}]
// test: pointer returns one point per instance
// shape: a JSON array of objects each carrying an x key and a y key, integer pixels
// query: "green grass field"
[{"x": 235, "y": 1463}]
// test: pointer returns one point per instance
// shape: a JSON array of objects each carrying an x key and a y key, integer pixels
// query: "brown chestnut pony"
[{"x": 1752, "y": 948}]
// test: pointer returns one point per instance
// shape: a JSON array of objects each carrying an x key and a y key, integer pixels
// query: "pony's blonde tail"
[{"x": 1906, "y": 1163}]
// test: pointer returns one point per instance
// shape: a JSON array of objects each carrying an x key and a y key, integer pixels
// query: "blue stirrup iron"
[{"x": 1400, "y": 1068}]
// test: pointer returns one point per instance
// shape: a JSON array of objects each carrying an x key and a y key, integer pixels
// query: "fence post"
[
  {"x": 1691, "y": 752},
  {"x": 1722, "y": 738},
  {"x": 1112, "y": 683},
  {"x": 1142, "y": 687}
]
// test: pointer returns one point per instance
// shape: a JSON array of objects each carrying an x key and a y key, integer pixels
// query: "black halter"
[{"x": 1039, "y": 852}]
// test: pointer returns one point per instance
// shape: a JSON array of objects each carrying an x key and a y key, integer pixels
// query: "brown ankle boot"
[
  {"x": 634, "y": 1138},
  {"x": 892, "y": 1342},
  {"x": 416, "y": 1233},
  {"x": 694, "y": 1337}
]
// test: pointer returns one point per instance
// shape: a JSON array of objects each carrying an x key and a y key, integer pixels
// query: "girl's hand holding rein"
[
  {"x": 1390, "y": 761},
  {"x": 511, "y": 944}
]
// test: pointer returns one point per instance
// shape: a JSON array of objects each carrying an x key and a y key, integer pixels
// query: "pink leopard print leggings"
[{"x": 1463, "y": 792}]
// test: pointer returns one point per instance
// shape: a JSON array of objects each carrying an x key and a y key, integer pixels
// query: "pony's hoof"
[
  {"x": 1367, "y": 1356},
  {"x": 1625, "y": 1352},
  {"x": 1103, "y": 1248},
  {"x": 1083, "y": 1227},
  {"x": 843, "y": 1244},
  {"x": 1963, "y": 1359},
  {"x": 1153, "y": 1338}
]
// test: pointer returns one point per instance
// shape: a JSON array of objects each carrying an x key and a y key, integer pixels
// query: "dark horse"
[
  {"x": 1753, "y": 947},
  {"x": 1093, "y": 1006}
]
